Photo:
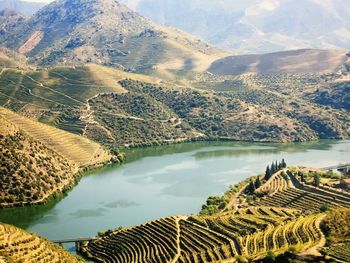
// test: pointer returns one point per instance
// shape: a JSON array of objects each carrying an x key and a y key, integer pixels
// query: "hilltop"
[
  {"x": 243, "y": 27},
  {"x": 294, "y": 62},
  {"x": 106, "y": 32}
]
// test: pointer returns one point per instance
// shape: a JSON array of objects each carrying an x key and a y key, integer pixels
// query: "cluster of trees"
[
  {"x": 274, "y": 168},
  {"x": 213, "y": 205},
  {"x": 336, "y": 226},
  {"x": 253, "y": 185},
  {"x": 270, "y": 170}
]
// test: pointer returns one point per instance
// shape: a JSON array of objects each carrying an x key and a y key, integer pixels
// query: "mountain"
[
  {"x": 255, "y": 26},
  {"x": 295, "y": 61},
  {"x": 25, "y": 7},
  {"x": 106, "y": 32},
  {"x": 9, "y": 20}
]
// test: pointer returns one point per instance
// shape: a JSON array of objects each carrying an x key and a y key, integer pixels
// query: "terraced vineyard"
[
  {"x": 278, "y": 182},
  {"x": 75, "y": 148},
  {"x": 17, "y": 245},
  {"x": 285, "y": 216},
  {"x": 245, "y": 232},
  {"x": 340, "y": 252},
  {"x": 301, "y": 196}
]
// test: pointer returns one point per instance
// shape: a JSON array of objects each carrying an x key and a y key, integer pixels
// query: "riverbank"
[
  {"x": 164, "y": 180},
  {"x": 61, "y": 191}
]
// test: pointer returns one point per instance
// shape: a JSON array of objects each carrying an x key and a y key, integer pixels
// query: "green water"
[{"x": 162, "y": 181}]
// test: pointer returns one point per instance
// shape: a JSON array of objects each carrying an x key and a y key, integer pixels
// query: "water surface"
[{"x": 162, "y": 181}]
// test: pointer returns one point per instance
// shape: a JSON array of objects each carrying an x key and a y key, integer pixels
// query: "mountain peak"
[
  {"x": 109, "y": 33},
  {"x": 9, "y": 20}
]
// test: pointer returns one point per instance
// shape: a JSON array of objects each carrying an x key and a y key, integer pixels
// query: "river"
[{"x": 161, "y": 181}]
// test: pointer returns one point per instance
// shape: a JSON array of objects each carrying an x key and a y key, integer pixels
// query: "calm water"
[{"x": 163, "y": 181}]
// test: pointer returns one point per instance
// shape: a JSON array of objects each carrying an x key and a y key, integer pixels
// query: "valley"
[
  {"x": 109, "y": 120},
  {"x": 164, "y": 181}
]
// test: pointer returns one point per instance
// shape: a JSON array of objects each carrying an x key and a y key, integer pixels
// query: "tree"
[
  {"x": 317, "y": 180},
  {"x": 267, "y": 173},
  {"x": 277, "y": 167},
  {"x": 257, "y": 183},
  {"x": 302, "y": 177},
  {"x": 324, "y": 208},
  {"x": 273, "y": 168},
  {"x": 251, "y": 187},
  {"x": 284, "y": 164}
]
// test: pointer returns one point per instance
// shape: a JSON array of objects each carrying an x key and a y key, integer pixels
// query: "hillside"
[
  {"x": 336, "y": 227},
  {"x": 39, "y": 162},
  {"x": 106, "y": 33},
  {"x": 17, "y": 245},
  {"x": 79, "y": 150},
  {"x": 253, "y": 26},
  {"x": 12, "y": 59},
  {"x": 298, "y": 61},
  {"x": 281, "y": 218},
  {"x": 240, "y": 234},
  {"x": 9, "y": 20},
  {"x": 30, "y": 171},
  {"x": 117, "y": 108}
]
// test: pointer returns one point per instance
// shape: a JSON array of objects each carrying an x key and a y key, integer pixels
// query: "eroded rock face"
[{"x": 31, "y": 43}]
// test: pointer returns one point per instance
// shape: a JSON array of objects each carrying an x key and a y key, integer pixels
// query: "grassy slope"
[
  {"x": 17, "y": 245},
  {"x": 249, "y": 107}
]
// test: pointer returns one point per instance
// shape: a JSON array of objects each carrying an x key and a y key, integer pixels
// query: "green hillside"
[{"x": 114, "y": 107}]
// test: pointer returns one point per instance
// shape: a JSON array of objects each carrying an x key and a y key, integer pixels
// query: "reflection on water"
[{"x": 161, "y": 181}]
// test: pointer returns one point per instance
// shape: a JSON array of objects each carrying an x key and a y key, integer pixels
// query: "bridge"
[
  {"x": 345, "y": 168},
  {"x": 77, "y": 241}
]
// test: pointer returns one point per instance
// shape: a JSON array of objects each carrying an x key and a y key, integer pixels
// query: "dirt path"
[
  {"x": 178, "y": 252},
  {"x": 314, "y": 251},
  {"x": 235, "y": 200}
]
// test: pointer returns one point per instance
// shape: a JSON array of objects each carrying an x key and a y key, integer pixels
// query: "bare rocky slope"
[{"x": 106, "y": 32}]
